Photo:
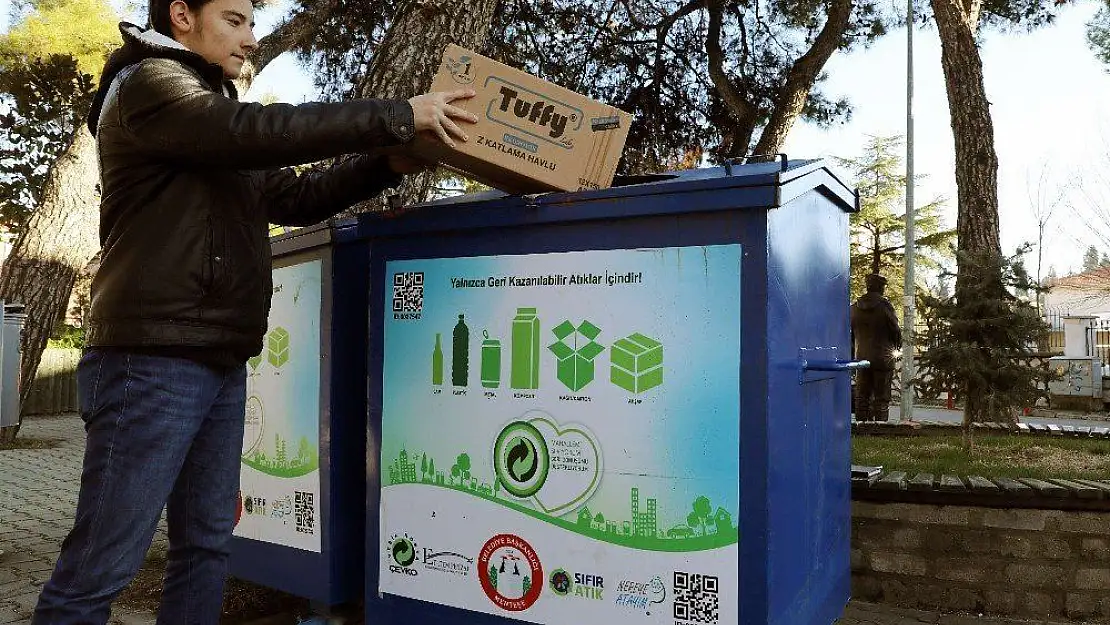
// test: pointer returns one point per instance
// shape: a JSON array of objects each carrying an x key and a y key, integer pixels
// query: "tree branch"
[
  {"x": 733, "y": 99},
  {"x": 291, "y": 34},
  {"x": 801, "y": 77}
]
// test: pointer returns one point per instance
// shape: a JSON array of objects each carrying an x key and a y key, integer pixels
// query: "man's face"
[{"x": 222, "y": 32}]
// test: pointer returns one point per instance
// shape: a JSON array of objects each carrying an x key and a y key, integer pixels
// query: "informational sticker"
[
  {"x": 560, "y": 434},
  {"x": 280, "y": 477}
]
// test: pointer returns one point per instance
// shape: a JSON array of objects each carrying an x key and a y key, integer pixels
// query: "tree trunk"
[
  {"x": 877, "y": 254},
  {"x": 54, "y": 247},
  {"x": 801, "y": 77},
  {"x": 408, "y": 57},
  {"x": 976, "y": 168}
]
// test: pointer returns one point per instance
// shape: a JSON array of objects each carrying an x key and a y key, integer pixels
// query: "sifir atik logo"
[{"x": 580, "y": 585}]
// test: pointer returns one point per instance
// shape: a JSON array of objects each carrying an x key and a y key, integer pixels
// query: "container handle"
[
  {"x": 743, "y": 160},
  {"x": 835, "y": 365}
]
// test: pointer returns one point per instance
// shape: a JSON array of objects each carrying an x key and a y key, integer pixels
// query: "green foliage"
[
  {"x": 878, "y": 242},
  {"x": 981, "y": 343},
  {"x": 648, "y": 57},
  {"x": 83, "y": 29},
  {"x": 49, "y": 64},
  {"x": 1098, "y": 35},
  {"x": 41, "y": 104},
  {"x": 631, "y": 55},
  {"x": 67, "y": 337}
]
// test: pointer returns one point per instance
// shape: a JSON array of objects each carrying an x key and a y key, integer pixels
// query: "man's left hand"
[{"x": 405, "y": 165}]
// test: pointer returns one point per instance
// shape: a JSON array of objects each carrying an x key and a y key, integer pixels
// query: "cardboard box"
[{"x": 532, "y": 136}]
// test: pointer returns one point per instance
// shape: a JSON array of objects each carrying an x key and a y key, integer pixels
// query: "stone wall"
[{"x": 1028, "y": 563}]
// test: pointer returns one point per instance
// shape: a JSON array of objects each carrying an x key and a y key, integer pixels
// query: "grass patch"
[
  {"x": 1009, "y": 456},
  {"x": 243, "y": 601},
  {"x": 26, "y": 442}
]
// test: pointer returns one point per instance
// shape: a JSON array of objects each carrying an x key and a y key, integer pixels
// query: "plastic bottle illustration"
[
  {"x": 437, "y": 363},
  {"x": 460, "y": 354},
  {"x": 491, "y": 361}
]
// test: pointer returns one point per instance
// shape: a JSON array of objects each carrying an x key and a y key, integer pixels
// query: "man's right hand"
[{"x": 433, "y": 112}]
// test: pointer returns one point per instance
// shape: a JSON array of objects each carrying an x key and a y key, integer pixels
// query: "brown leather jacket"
[{"x": 190, "y": 180}]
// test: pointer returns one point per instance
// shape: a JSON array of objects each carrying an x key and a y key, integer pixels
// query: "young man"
[{"x": 190, "y": 180}]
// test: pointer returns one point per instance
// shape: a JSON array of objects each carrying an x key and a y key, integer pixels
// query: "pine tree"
[
  {"x": 878, "y": 243},
  {"x": 1091, "y": 259},
  {"x": 981, "y": 345}
]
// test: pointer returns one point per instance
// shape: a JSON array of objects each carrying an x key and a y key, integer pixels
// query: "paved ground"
[{"x": 38, "y": 492}]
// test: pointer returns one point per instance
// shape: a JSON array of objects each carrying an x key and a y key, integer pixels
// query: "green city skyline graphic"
[
  {"x": 702, "y": 528},
  {"x": 635, "y": 361},
  {"x": 281, "y": 463}
]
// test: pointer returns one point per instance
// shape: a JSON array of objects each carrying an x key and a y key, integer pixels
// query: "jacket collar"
[{"x": 140, "y": 44}]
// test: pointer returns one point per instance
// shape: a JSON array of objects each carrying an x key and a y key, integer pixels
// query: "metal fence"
[
  {"x": 54, "y": 389},
  {"x": 1098, "y": 337}
]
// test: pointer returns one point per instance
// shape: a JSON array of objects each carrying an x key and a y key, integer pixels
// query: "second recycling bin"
[
  {"x": 617, "y": 406},
  {"x": 11, "y": 363},
  {"x": 301, "y": 513}
]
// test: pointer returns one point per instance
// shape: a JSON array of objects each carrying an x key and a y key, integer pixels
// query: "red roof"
[{"x": 1097, "y": 278}]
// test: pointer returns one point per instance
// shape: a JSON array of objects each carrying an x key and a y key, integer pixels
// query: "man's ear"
[{"x": 182, "y": 19}]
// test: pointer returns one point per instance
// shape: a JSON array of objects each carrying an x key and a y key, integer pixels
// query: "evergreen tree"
[
  {"x": 980, "y": 346},
  {"x": 878, "y": 241}
]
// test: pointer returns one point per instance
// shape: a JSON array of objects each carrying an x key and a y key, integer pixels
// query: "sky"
[{"x": 1050, "y": 104}]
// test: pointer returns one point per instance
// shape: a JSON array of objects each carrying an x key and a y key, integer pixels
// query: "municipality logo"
[
  {"x": 402, "y": 553},
  {"x": 521, "y": 459}
]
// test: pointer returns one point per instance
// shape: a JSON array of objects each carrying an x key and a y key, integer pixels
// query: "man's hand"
[
  {"x": 405, "y": 165},
  {"x": 434, "y": 113}
]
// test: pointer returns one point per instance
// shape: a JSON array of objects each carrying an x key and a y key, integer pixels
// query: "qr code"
[
  {"x": 305, "y": 511},
  {"x": 408, "y": 291},
  {"x": 695, "y": 597}
]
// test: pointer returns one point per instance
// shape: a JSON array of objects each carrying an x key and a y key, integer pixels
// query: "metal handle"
[
  {"x": 835, "y": 365},
  {"x": 744, "y": 160}
]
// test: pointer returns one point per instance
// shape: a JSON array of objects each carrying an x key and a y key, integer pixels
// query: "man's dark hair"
[
  {"x": 875, "y": 283},
  {"x": 159, "y": 11}
]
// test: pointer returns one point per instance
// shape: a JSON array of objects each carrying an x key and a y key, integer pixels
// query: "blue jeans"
[{"x": 162, "y": 431}]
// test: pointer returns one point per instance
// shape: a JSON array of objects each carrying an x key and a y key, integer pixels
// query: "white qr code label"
[
  {"x": 695, "y": 597},
  {"x": 304, "y": 505},
  {"x": 408, "y": 292}
]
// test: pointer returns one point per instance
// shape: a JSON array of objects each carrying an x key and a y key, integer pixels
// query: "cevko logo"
[{"x": 532, "y": 113}]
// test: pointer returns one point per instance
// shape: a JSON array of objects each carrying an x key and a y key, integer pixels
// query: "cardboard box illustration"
[
  {"x": 636, "y": 363},
  {"x": 575, "y": 366}
]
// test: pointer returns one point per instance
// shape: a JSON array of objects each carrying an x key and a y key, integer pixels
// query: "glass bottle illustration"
[
  {"x": 437, "y": 363},
  {"x": 460, "y": 353},
  {"x": 491, "y": 361},
  {"x": 525, "y": 364}
]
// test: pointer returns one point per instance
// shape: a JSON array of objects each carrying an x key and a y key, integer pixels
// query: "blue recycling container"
[
  {"x": 302, "y": 512},
  {"x": 617, "y": 406}
]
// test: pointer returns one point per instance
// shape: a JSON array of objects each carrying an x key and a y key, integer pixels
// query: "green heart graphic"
[{"x": 560, "y": 508}]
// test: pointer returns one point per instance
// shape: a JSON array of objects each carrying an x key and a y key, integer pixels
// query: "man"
[
  {"x": 190, "y": 181},
  {"x": 875, "y": 336}
]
